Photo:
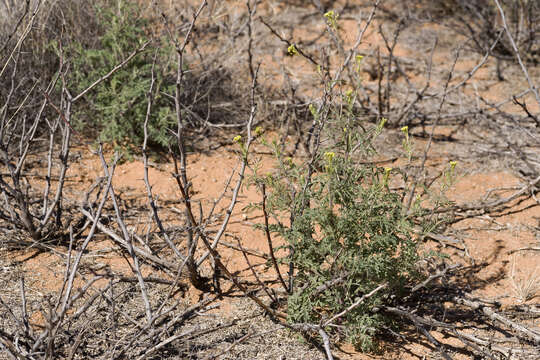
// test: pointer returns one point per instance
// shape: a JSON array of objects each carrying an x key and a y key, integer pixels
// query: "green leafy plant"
[
  {"x": 354, "y": 231},
  {"x": 349, "y": 232},
  {"x": 118, "y": 107}
]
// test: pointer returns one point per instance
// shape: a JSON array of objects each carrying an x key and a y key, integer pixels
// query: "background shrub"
[
  {"x": 118, "y": 108},
  {"x": 93, "y": 37},
  {"x": 480, "y": 21},
  {"x": 32, "y": 72}
]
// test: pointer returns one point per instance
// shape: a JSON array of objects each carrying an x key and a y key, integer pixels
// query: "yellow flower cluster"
[
  {"x": 291, "y": 50},
  {"x": 329, "y": 156},
  {"x": 331, "y": 18},
  {"x": 359, "y": 59},
  {"x": 386, "y": 175}
]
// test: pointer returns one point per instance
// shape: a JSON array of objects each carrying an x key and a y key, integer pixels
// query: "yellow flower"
[
  {"x": 331, "y": 18},
  {"x": 258, "y": 130},
  {"x": 386, "y": 175},
  {"x": 289, "y": 161},
  {"x": 405, "y": 129},
  {"x": 453, "y": 165},
  {"x": 313, "y": 110},
  {"x": 383, "y": 122},
  {"x": 291, "y": 50},
  {"x": 359, "y": 59},
  {"x": 237, "y": 138},
  {"x": 329, "y": 15},
  {"x": 329, "y": 156}
]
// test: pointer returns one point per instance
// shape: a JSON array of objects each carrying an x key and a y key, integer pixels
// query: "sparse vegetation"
[{"x": 137, "y": 138}]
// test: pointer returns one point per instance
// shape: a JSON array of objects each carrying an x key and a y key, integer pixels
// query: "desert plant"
[
  {"x": 349, "y": 232},
  {"x": 30, "y": 107},
  {"x": 364, "y": 243},
  {"x": 352, "y": 248},
  {"x": 53, "y": 22},
  {"x": 118, "y": 109}
]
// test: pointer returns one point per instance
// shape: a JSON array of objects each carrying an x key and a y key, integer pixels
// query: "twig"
[
  {"x": 269, "y": 239},
  {"x": 299, "y": 49},
  {"x": 418, "y": 322},
  {"x": 242, "y": 339},
  {"x": 263, "y": 286},
  {"x": 16, "y": 27},
  {"x": 150, "y": 196},
  {"x": 181, "y": 175},
  {"x": 111, "y": 72},
  {"x": 354, "y": 305},
  {"x": 127, "y": 238},
  {"x": 210, "y": 247},
  {"x": 524, "y": 249},
  {"x": 155, "y": 259},
  {"x": 27, "y": 329},
  {"x": 74, "y": 267},
  {"x": 23, "y": 37},
  {"x": 432, "y": 277},
  {"x": 326, "y": 344},
  {"x": 245, "y": 150},
  {"x": 430, "y": 140},
  {"x": 246, "y": 250},
  {"x": 532, "y": 87}
]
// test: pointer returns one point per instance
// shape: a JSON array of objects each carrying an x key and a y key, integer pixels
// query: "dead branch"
[{"x": 492, "y": 315}]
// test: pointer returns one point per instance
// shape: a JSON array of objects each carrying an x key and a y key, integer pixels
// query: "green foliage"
[
  {"x": 117, "y": 107},
  {"x": 354, "y": 230},
  {"x": 348, "y": 229}
]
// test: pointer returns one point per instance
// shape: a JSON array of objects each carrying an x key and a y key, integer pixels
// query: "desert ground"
[{"x": 123, "y": 248}]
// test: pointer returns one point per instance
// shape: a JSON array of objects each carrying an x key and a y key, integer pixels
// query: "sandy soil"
[{"x": 489, "y": 244}]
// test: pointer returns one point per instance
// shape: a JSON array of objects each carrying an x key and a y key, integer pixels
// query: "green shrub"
[
  {"x": 348, "y": 228},
  {"x": 97, "y": 36},
  {"x": 355, "y": 229},
  {"x": 117, "y": 108},
  {"x": 69, "y": 20}
]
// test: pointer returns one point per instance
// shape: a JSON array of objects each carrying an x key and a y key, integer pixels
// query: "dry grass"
[{"x": 525, "y": 283}]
